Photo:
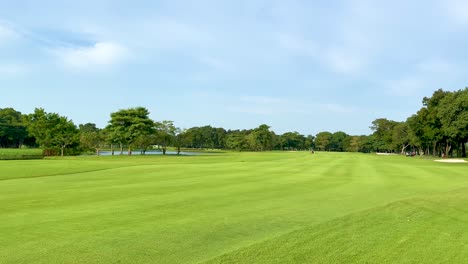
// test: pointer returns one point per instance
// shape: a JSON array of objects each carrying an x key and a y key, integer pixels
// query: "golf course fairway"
[{"x": 271, "y": 207}]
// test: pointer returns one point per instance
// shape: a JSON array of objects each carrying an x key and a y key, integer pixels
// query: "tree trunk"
[
  {"x": 112, "y": 149},
  {"x": 403, "y": 149},
  {"x": 129, "y": 151},
  {"x": 463, "y": 150},
  {"x": 164, "y": 150},
  {"x": 62, "y": 148},
  {"x": 447, "y": 148},
  {"x": 121, "y": 149},
  {"x": 434, "y": 150},
  {"x": 98, "y": 152}
]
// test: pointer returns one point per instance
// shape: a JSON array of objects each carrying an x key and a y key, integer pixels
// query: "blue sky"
[{"x": 306, "y": 66}]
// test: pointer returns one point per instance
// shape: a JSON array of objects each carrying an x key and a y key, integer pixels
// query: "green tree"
[
  {"x": 237, "y": 140},
  {"x": 401, "y": 136},
  {"x": 355, "y": 144},
  {"x": 453, "y": 115},
  {"x": 295, "y": 141},
  {"x": 52, "y": 130},
  {"x": 91, "y": 137},
  {"x": 181, "y": 137},
  {"x": 322, "y": 140},
  {"x": 166, "y": 132},
  {"x": 383, "y": 129},
  {"x": 432, "y": 124},
  {"x": 13, "y": 132},
  {"x": 309, "y": 142},
  {"x": 261, "y": 138},
  {"x": 128, "y": 125},
  {"x": 143, "y": 142},
  {"x": 337, "y": 141}
]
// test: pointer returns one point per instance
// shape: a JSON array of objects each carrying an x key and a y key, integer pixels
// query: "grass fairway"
[{"x": 234, "y": 208}]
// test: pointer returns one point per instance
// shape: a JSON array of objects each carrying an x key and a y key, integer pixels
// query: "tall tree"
[
  {"x": 261, "y": 138},
  {"x": 309, "y": 142},
  {"x": 165, "y": 131},
  {"x": 383, "y": 128},
  {"x": 295, "y": 141},
  {"x": 180, "y": 138},
  {"x": 91, "y": 137},
  {"x": 322, "y": 140},
  {"x": 401, "y": 136},
  {"x": 337, "y": 141},
  {"x": 237, "y": 140},
  {"x": 127, "y": 125},
  {"x": 453, "y": 115},
  {"x": 432, "y": 124}
]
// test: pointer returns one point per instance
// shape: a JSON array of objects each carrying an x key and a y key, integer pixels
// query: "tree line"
[{"x": 440, "y": 127}]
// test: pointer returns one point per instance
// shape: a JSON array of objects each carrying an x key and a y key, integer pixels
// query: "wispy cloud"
[
  {"x": 7, "y": 33},
  {"x": 457, "y": 11},
  {"x": 101, "y": 54},
  {"x": 170, "y": 34}
]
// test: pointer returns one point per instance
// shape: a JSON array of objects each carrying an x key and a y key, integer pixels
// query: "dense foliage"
[{"x": 439, "y": 128}]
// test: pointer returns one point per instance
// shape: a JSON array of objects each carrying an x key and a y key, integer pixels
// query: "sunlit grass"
[{"x": 272, "y": 207}]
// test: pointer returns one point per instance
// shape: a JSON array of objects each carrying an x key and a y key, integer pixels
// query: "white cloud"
[
  {"x": 7, "y": 33},
  {"x": 457, "y": 11},
  {"x": 101, "y": 54}
]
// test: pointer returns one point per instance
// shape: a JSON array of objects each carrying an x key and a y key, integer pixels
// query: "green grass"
[
  {"x": 18, "y": 154},
  {"x": 234, "y": 208},
  {"x": 20, "y": 151}
]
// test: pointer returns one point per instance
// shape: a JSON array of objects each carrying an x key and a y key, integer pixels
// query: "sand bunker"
[{"x": 451, "y": 160}]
